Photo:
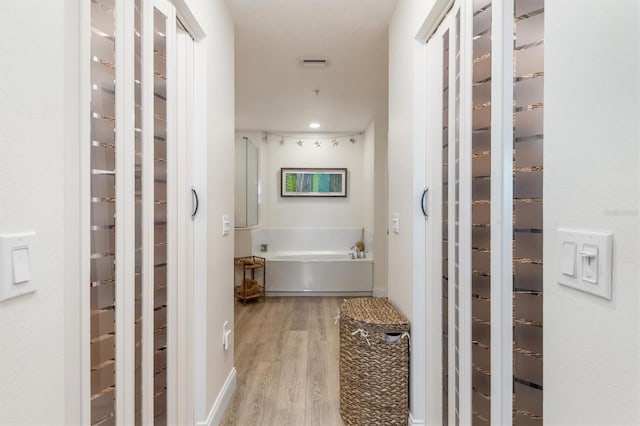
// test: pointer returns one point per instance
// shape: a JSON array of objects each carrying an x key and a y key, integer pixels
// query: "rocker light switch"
[
  {"x": 17, "y": 262},
  {"x": 226, "y": 225},
  {"x": 568, "y": 265},
  {"x": 21, "y": 265},
  {"x": 395, "y": 223}
]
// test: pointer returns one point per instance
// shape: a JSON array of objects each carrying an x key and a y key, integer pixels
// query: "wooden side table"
[{"x": 250, "y": 288}]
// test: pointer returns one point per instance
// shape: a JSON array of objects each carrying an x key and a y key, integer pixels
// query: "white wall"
[
  {"x": 314, "y": 212},
  {"x": 32, "y": 171},
  {"x": 406, "y": 281},
  {"x": 591, "y": 345},
  {"x": 220, "y": 198},
  {"x": 403, "y": 149}
]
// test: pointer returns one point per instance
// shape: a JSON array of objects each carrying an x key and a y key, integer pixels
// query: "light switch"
[
  {"x": 568, "y": 260},
  {"x": 586, "y": 261},
  {"x": 589, "y": 255},
  {"x": 17, "y": 263},
  {"x": 21, "y": 265},
  {"x": 226, "y": 225},
  {"x": 395, "y": 223}
]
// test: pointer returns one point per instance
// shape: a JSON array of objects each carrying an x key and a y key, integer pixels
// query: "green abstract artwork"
[{"x": 314, "y": 182}]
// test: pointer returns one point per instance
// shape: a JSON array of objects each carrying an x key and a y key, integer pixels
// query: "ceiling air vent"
[{"x": 314, "y": 62}]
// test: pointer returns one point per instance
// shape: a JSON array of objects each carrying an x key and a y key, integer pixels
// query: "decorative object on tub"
[
  {"x": 358, "y": 251},
  {"x": 374, "y": 363},
  {"x": 250, "y": 288},
  {"x": 313, "y": 182}
]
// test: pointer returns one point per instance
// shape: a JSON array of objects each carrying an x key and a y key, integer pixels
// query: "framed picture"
[{"x": 313, "y": 182}]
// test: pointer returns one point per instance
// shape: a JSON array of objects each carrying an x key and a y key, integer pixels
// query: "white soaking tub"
[{"x": 318, "y": 273}]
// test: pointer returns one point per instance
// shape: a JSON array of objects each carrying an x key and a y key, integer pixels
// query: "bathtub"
[{"x": 321, "y": 273}]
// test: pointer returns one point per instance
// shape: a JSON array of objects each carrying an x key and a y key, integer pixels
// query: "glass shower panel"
[
  {"x": 160, "y": 220},
  {"x": 481, "y": 206},
  {"x": 247, "y": 197},
  {"x": 102, "y": 222},
  {"x": 445, "y": 229},
  {"x": 252, "y": 184},
  {"x": 240, "y": 211},
  {"x": 528, "y": 199}
]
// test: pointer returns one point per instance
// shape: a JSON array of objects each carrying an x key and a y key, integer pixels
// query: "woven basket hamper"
[{"x": 374, "y": 363}]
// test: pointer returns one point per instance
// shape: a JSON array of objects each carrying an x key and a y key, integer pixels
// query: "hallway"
[
  {"x": 287, "y": 362},
  {"x": 475, "y": 140}
]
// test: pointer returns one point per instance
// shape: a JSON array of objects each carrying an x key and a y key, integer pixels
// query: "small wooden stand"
[{"x": 249, "y": 288}]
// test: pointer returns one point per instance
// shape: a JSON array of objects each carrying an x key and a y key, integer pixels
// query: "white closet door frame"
[
  {"x": 125, "y": 212},
  {"x": 168, "y": 10},
  {"x": 185, "y": 130},
  {"x": 502, "y": 212},
  {"x": 433, "y": 151},
  {"x": 434, "y": 228},
  {"x": 465, "y": 158},
  {"x": 448, "y": 24}
]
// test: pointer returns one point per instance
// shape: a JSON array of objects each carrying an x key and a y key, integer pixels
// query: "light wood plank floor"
[{"x": 286, "y": 356}]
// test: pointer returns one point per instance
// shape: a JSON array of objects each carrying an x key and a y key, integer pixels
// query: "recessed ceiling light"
[{"x": 314, "y": 125}]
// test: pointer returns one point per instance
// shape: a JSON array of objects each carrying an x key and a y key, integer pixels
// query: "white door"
[
  {"x": 484, "y": 143},
  {"x": 138, "y": 363},
  {"x": 448, "y": 227},
  {"x": 188, "y": 209}
]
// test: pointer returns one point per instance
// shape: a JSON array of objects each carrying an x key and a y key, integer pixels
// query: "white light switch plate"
[
  {"x": 395, "y": 223},
  {"x": 588, "y": 267},
  {"x": 16, "y": 264},
  {"x": 226, "y": 225}
]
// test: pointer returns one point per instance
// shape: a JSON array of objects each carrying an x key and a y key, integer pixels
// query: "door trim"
[
  {"x": 502, "y": 212},
  {"x": 125, "y": 213}
]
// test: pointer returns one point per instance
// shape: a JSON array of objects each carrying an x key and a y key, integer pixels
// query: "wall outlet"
[{"x": 226, "y": 335}]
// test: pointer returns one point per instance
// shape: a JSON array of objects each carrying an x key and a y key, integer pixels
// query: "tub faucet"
[{"x": 356, "y": 253}]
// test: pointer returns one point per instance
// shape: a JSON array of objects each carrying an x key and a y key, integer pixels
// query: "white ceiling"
[{"x": 274, "y": 92}]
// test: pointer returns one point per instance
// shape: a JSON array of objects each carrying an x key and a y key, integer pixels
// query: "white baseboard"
[
  {"x": 220, "y": 405},
  {"x": 379, "y": 292},
  {"x": 414, "y": 422}
]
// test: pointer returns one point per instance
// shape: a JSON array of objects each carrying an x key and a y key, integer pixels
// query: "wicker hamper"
[{"x": 374, "y": 363}]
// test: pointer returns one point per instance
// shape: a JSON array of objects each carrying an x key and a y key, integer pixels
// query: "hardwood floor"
[{"x": 286, "y": 356}]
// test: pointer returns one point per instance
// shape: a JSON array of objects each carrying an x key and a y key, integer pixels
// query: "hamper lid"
[{"x": 374, "y": 311}]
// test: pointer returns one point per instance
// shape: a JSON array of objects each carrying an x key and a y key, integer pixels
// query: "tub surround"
[
  {"x": 314, "y": 256},
  {"x": 318, "y": 273},
  {"x": 305, "y": 262},
  {"x": 308, "y": 239}
]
